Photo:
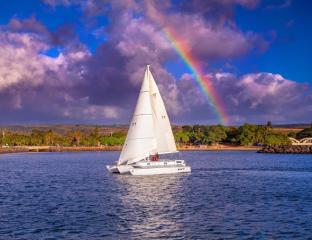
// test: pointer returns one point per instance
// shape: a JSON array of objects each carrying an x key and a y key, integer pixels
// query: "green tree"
[
  {"x": 117, "y": 138},
  {"x": 37, "y": 138},
  {"x": 277, "y": 139},
  {"x": 231, "y": 135},
  {"x": 77, "y": 135},
  {"x": 93, "y": 139},
  {"x": 292, "y": 134},
  {"x": 246, "y": 134},
  {"x": 50, "y": 138},
  {"x": 187, "y": 128},
  {"x": 307, "y": 132},
  {"x": 181, "y": 137},
  {"x": 214, "y": 134}
]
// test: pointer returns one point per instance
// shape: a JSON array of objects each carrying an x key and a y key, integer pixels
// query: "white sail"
[
  {"x": 163, "y": 132},
  {"x": 140, "y": 141}
]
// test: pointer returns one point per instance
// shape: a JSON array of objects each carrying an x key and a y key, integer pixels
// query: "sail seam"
[{"x": 141, "y": 114}]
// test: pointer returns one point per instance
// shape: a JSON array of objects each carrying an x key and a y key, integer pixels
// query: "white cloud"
[{"x": 255, "y": 97}]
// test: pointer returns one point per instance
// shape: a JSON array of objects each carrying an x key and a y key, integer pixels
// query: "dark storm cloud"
[
  {"x": 63, "y": 34},
  {"x": 106, "y": 80}
]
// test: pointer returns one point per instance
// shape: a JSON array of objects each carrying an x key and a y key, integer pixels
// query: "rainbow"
[
  {"x": 203, "y": 81},
  {"x": 193, "y": 65}
]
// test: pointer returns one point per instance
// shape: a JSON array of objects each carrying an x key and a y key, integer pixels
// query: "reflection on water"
[{"x": 150, "y": 204}]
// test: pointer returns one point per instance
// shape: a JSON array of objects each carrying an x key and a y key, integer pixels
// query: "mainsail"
[{"x": 150, "y": 131}]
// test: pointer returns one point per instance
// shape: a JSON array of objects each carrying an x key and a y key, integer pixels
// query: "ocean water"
[{"x": 228, "y": 195}]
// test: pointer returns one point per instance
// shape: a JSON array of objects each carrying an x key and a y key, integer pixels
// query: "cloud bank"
[{"x": 78, "y": 85}]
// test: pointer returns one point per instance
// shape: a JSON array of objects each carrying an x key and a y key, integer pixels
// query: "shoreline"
[
  {"x": 26, "y": 149},
  {"x": 288, "y": 149},
  {"x": 219, "y": 147}
]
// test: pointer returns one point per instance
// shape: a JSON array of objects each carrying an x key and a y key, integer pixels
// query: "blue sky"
[
  {"x": 290, "y": 50},
  {"x": 254, "y": 45}
]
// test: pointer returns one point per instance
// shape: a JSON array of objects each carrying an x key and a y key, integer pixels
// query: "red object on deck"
[{"x": 155, "y": 157}]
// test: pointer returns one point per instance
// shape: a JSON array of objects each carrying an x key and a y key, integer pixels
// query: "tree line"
[
  {"x": 71, "y": 138},
  {"x": 246, "y": 134}
]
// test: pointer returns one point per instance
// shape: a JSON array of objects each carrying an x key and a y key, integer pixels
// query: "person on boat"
[{"x": 155, "y": 157}]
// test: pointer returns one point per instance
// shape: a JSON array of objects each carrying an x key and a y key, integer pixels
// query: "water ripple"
[{"x": 228, "y": 195}]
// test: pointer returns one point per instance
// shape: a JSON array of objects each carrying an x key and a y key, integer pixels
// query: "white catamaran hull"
[
  {"x": 162, "y": 170},
  {"x": 121, "y": 169},
  {"x": 151, "y": 168},
  {"x": 112, "y": 169}
]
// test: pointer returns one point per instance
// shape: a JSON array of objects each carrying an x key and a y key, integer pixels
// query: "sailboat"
[{"x": 150, "y": 140}]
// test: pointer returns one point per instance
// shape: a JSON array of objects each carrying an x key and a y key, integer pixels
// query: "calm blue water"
[{"x": 229, "y": 195}]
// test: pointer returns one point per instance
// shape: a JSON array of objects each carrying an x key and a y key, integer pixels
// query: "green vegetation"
[
  {"x": 305, "y": 133},
  {"x": 246, "y": 135},
  {"x": 71, "y": 138},
  {"x": 190, "y": 135}
]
